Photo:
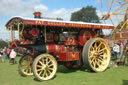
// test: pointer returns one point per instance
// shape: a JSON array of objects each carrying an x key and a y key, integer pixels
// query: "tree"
[
  {"x": 85, "y": 14},
  {"x": 3, "y": 43}
]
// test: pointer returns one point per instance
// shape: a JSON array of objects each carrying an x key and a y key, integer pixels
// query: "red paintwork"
[
  {"x": 73, "y": 56},
  {"x": 84, "y": 36},
  {"x": 34, "y": 32},
  {"x": 71, "y": 41},
  {"x": 62, "y": 53},
  {"x": 56, "y": 23},
  {"x": 57, "y": 50}
]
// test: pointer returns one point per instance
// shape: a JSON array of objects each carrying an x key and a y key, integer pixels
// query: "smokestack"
[{"x": 37, "y": 14}]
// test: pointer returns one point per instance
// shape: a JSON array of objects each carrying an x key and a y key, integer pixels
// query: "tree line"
[{"x": 3, "y": 43}]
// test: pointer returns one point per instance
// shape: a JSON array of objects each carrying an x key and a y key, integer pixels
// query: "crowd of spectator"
[
  {"x": 9, "y": 54},
  {"x": 120, "y": 51}
]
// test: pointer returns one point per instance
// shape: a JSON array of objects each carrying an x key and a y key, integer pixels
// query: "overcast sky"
[{"x": 49, "y": 8}]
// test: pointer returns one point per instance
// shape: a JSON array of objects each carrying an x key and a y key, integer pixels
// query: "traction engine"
[{"x": 54, "y": 42}]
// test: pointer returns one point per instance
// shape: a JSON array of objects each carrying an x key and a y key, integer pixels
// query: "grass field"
[{"x": 9, "y": 75}]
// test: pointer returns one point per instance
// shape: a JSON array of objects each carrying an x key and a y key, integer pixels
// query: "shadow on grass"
[
  {"x": 63, "y": 69},
  {"x": 35, "y": 79},
  {"x": 125, "y": 82}
]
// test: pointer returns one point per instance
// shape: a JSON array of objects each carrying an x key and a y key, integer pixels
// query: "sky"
[{"x": 49, "y": 8}]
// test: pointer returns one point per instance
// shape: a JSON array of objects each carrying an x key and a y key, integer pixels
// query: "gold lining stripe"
[
  {"x": 57, "y": 49},
  {"x": 47, "y": 49}
]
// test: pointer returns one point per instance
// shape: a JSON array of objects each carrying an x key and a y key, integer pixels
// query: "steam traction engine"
[{"x": 53, "y": 42}]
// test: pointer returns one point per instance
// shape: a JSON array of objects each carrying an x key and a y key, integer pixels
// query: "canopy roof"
[{"x": 57, "y": 23}]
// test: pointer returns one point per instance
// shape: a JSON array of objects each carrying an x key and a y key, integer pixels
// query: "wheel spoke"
[
  {"x": 39, "y": 70},
  {"x": 94, "y": 64},
  {"x": 38, "y": 66},
  {"x": 44, "y": 73},
  {"x": 91, "y": 53},
  {"x": 101, "y": 52},
  {"x": 41, "y": 63},
  {"x": 99, "y": 45},
  {"x": 48, "y": 62},
  {"x": 100, "y": 58},
  {"x": 26, "y": 70},
  {"x": 23, "y": 65},
  {"x": 50, "y": 69},
  {"x": 102, "y": 49},
  {"x": 50, "y": 65},
  {"x": 93, "y": 59},
  {"x": 97, "y": 63},
  {"x": 95, "y": 46},
  {"x": 92, "y": 48},
  {"x": 24, "y": 62}
]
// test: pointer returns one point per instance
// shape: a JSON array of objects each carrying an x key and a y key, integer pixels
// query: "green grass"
[{"x": 9, "y": 75}]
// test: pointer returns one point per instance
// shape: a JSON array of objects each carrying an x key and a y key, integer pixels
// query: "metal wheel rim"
[
  {"x": 99, "y": 53},
  {"x": 26, "y": 65},
  {"x": 45, "y": 67}
]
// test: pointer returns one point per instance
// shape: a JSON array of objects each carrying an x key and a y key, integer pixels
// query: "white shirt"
[
  {"x": 12, "y": 54},
  {"x": 116, "y": 48}
]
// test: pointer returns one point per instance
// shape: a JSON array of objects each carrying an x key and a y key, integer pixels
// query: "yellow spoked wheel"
[
  {"x": 44, "y": 67},
  {"x": 25, "y": 65},
  {"x": 96, "y": 55}
]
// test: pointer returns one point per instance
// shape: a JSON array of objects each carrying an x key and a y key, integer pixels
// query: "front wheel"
[
  {"x": 44, "y": 67},
  {"x": 96, "y": 55}
]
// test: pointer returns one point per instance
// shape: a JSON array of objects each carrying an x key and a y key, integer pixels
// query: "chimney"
[{"x": 37, "y": 14}]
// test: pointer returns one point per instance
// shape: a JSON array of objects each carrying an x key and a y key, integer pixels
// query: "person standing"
[
  {"x": 5, "y": 52},
  {"x": 116, "y": 50},
  {"x": 1, "y": 56},
  {"x": 8, "y": 52},
  {"x": 121, "y": 51},
  {"x": 12, "y": 56},
  {"x": 126, "y": 53}
]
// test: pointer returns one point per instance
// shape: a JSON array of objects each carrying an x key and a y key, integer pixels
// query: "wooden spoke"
[
  {"x": 44, "y": 73},
  {"x": 49, "y": 71},
  {"x": 95, "y": 45},
  {"x": 93, "y": 59},
  {"x": 91, "y": 54},
  {"x": 102, "y": 49},
  {"x": 101, "y": 52},
  {"x": 41, "y": 63},
  {"x": 50, "y": 65},
  {"x": 39, "y": 66},
  {"x": 97, "y": 63},
  {"x": 99, "y": 45},
  {"x": 41, "y": 72}
]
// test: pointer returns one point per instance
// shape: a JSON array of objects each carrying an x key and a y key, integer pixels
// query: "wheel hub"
[
  {"x": 45, "y": 67},
  {"x": 96, "y": 54}
]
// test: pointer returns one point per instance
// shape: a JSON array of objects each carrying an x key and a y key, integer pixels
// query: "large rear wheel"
[
  {"x": 25, "y": 65},
  {"x": 96, "y": 55},
  {"x": 44, "y": 67}
]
